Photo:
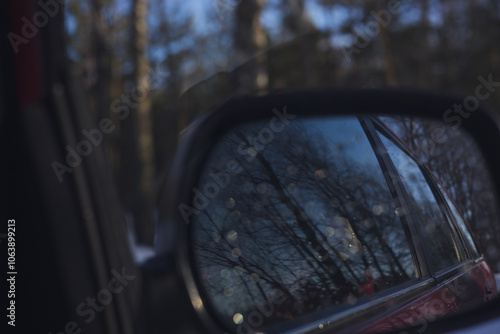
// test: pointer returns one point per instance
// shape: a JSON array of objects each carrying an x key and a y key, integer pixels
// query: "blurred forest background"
[{"x": 167, "y": 61}]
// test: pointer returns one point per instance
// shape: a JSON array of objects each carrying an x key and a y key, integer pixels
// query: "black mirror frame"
[{"x": 174, "y": 234}]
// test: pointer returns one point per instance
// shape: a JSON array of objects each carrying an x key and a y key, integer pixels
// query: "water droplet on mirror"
[
  {"x": 261, "y": 188},
  {"x": 368, "y": 223},
  {"x": 235, "y": 215},
  {"x": 343, "y": 256},
  {"x": 232, "y": 235},
  {"x": 216, "y": 237},
  {"x": 378, "y": 209},
  {"x": 252, "y": 151},
  {"x": 254, "y": 277},
  {"x": 238, "y": 318},
  {"x": 230, "y": 202},
  {"x": 236, "y": 252},
  {"x": 228, "y": 292},
  {"x": 430, "y": 226},
  {"x": 400, "y": 211},
  {"x": 224, "y": 273},
  {"x": 310, "y": 207}
]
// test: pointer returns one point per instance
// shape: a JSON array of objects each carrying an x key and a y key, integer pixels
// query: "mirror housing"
[{"x": 174, "y": 232}]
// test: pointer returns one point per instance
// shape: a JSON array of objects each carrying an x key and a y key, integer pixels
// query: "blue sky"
[{"x": 210, "y": 16}]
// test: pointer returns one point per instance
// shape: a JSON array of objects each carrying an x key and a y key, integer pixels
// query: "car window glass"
[
  {"x": 437, "y": 235},
  {"x": 303, "y": 221},
  {"x": 457, "y": 160},
  {"x": 461, "y": 224}
]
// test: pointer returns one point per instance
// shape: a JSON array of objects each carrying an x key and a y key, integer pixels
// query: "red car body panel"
[{"x": 473, "y": 285}]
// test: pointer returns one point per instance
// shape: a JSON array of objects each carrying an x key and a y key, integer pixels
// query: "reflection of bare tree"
[
  {"x": 305, "y": 220},
  {"x": 456, "y": 160}
]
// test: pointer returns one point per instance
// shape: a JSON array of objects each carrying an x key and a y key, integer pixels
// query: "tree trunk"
[
  {"x": 249, "y": 41},
  {"x": 102, "y": 58},
  {"x": 137, "y": 152},
  {"x": 391, "y": 76}
]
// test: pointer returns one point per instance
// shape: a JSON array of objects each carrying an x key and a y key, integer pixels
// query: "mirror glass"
[{"x": 317, "y": 216}]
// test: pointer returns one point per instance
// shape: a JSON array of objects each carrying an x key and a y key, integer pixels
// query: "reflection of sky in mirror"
[
  {"x": 322, "y": 228},
  {"x": 408, "y": 169},
  {"x": 345, "y": 130}
]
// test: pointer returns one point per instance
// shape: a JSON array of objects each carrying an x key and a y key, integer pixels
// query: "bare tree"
[{"x": 137, "y": 153}]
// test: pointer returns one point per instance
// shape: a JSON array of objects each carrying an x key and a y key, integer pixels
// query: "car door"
[{"x": 70, "y": 269}]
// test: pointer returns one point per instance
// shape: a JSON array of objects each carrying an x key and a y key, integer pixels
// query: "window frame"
[
  {"x": 394, "y": 183},
  {"x": 445, "y": 194},
  {"x": 457, "y": 240}
]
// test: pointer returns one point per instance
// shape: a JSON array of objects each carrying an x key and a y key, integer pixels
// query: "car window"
[
  {"x": 457, "y": 161},
  {"x": 469, "y": 240},
  {"x": 305, "y": 223},
  {"x": 441, "y": 248}
]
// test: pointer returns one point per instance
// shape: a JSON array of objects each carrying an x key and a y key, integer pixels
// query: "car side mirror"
[{"x": 315, "y": 210}]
